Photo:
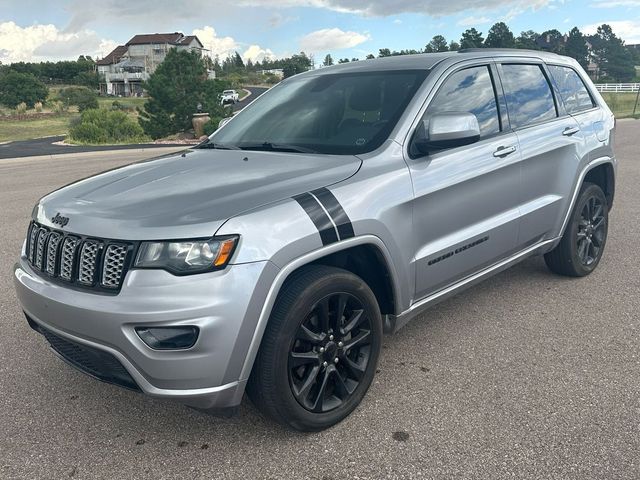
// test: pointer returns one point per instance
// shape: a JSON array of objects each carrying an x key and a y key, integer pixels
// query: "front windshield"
[{"x": 342, "y": 113}]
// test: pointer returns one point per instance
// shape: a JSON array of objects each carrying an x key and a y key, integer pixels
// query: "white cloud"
[
  {"x": 255, "y": 53},
  {"x": 387, "y": 8},
  {"x": 397, "y": 21},
  {"x": 222, "y": 46},
  {"x": 473, "y": 21},
  {"x": 167, "y": 12},
  {"x": 45, "y": 42},
  {"x": 627, "y": 30},
  {"x": 225, "y": 46},
  {"x": 615, "y": 3},
  {"x": 331, "y": 39}
]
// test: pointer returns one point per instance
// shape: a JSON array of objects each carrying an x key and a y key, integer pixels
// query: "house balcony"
[{"x": 126, "y": 77}]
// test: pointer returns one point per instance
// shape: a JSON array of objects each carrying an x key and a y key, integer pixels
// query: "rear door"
[
  {"x": 465, "y": 210},
  {"x": 552, "y": 145}
]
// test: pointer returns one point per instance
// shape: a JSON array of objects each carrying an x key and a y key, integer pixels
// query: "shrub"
[
  {"x": 38, "y": 107},
  {"x": 16, "y": 88},
  {"x": 21, "y": 108},
  {"x": 212, "y": 125},
  {"x": 58, "y": 107},
  {"x": 106, "y": 126},
  {"x": 83, "y": 97}
]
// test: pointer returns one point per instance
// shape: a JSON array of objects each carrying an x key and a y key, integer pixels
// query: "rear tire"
[
  {"x": 320, "y": 349},
  {"x": 582, "y": 245}
]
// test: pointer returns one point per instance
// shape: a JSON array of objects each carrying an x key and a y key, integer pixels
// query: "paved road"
[
  {"x": 47, "y": 145},
  {"x": 528, "y": 375},
  {"x": 255, "y": 93}
]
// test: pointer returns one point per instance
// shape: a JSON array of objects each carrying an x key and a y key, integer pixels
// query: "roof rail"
[{"x": 509, "y": 50}]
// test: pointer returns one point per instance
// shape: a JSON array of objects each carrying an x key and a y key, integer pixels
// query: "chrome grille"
[
  {"x": 88, "y": 257},
  {"x": 85, "y": 262},
  {"x": 68, "y": 256},
  {"x": 52, "y": 252},
  {"x": 113, "y": 266}
]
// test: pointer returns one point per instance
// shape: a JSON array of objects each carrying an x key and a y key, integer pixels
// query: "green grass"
[
  {"x": 621, "y": 103},
  {"x": 130, "y": 102},
  {"x": 13, "y": 130}
]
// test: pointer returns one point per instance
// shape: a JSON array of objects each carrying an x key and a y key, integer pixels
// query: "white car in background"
[{"x": 229, "y": 97}]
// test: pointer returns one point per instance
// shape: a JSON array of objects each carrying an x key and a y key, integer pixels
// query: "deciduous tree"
[{"x": 16, "y": 88}]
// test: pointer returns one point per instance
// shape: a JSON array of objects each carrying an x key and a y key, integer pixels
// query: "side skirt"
[{"x": 393, "y": 323}]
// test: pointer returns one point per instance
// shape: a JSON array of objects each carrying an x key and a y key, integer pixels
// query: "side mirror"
[
  {"x": 446, "y": 130},
  {"x": 223, "y": 122}
]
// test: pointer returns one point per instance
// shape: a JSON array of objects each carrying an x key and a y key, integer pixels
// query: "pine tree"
[
  {"x": 500, "y": 36},
  {"x": 472, "y": 39},
  {"x": 176, "y": 87}
]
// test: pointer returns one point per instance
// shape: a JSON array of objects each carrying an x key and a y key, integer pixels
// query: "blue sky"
[{"x": 57, "y": 29}]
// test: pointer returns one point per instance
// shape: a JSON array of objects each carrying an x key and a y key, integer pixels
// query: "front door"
[{"x": 465, "y": 211}]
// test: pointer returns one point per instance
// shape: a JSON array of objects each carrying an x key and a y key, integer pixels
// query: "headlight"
[{"x": 187, "y": 256}]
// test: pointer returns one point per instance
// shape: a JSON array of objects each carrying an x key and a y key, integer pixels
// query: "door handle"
[
  {"x": 504, "y": 151},
  {"x": 570, "y": 131}
]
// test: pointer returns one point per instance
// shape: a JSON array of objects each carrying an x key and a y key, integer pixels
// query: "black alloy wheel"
[
  {"x": 330, "y": 353},
  {"x": 320, "y": 349},
  {"x": 591, "y": 231},
  {"x": 583, "y": 241}
]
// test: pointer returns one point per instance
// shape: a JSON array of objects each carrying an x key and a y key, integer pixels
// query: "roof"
[
  {"x": 114, "y": 56},
  {"x": 150, "y": 38},
  {"x": 190, "y": 38},
  {"x": 427, "y": 61}
]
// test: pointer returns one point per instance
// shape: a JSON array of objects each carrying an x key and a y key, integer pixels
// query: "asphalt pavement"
[
  {"x": 527, "y": 375},
  {"x": 52, "y": 146}
]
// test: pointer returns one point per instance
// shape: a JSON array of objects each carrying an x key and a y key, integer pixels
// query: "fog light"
[{"x": 168, "y": 338}]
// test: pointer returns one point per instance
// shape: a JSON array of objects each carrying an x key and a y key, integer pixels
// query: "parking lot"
[{"x": 527, "y": 375}]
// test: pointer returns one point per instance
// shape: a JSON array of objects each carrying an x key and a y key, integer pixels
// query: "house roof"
[
  {"x": 150, "y": 38},
  {"x": 114, "y": 56},
  {"x": 189, "y": 38}
]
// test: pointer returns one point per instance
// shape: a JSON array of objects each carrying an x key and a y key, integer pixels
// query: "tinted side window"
[
  {"x": 573, "y": 91},
  {"x": 529, "y": 97},
  {"x": 470, "y": 90}
]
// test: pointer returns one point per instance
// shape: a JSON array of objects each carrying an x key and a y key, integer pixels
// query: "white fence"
[{"x": 618, "y": 87}]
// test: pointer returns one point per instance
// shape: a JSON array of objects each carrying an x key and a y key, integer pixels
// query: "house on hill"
[{"x": 124, "y": 69}]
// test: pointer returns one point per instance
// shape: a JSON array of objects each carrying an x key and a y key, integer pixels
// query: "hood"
[{"x": 187, "y": 195}]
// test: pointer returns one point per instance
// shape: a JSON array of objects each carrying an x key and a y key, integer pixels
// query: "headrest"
[{"x": 367, "y": 97}]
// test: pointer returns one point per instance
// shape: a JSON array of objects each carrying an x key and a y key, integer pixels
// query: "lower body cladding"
[{"x": 101, "y": 334}]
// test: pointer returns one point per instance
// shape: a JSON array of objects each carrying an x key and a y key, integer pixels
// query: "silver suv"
[{"x": 335, "y": 208}]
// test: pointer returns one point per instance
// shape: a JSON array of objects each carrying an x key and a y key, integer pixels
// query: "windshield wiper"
[
  {"x": 217, "y": 146},
  {"x": 276, "y": 147}
]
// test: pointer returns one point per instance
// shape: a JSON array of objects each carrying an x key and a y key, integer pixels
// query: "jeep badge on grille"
[{"x": 60, "y": 220}]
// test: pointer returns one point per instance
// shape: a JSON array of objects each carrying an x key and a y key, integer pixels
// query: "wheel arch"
[
  {"x": 601, "y": 169},
  {"x": 603, "y": 175},
  {"x": 352, "y": 254}
]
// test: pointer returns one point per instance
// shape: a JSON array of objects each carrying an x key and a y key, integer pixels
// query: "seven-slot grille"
[{"x": 88, "y": 262}]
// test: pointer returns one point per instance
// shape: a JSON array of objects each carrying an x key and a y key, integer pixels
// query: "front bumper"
[{"x": 224, "y": 305}]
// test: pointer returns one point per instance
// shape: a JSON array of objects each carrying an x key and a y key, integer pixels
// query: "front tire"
[
  {"x": 582, "y": 245},
  {"x": 319, "y": 351}
]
